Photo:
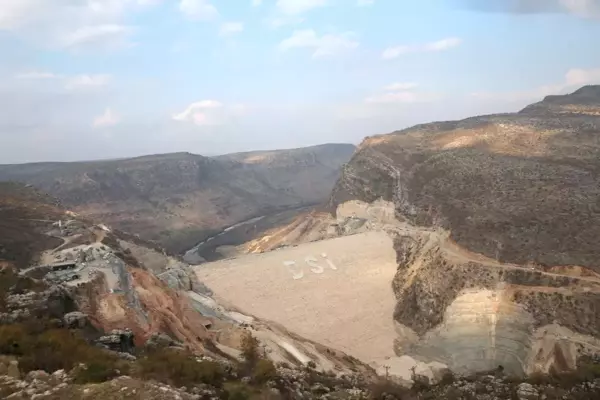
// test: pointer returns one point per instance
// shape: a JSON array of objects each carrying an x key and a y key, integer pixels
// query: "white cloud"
[
  {"x": 580, "y": 8},
  {"x": 440, "y": 45},
  {"x": 200, "y": 113},
  {"x": 231, "y": 28},
  {"x": 396, "y": 51},
  {"x": 73, "y": 82},
  {"x": 295, "y": 7},
  {"x": 34, "y": 75},
  {"x": 198, "y": 9},
  {"x": 106, "y": 36},
  {"x": 87, "y": 81},
  {"x": 364, "y": 3},
  {"x": 279, "y": 21},
  {"x": 70, "y": 23},
  {"x": 443, "y": 44},
  {"x": 401, "y": 93},
  {"x": 108, "y": 118},
  {"x": 325, "y": 45},
  {"x": 573, "y": 79},
  {"x": 584, "y": 8},
  {"x": 256, "y": 3},
  {"x": 394, "y": 97},
  {"x": 401, "y": 86},
  {"x": 580, "y": 77}
]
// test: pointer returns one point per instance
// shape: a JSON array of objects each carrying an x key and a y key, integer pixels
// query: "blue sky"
[{"x": 88, "y": 79}]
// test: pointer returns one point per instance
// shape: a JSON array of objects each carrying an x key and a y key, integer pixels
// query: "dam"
[{"x": 336, "y": 292}]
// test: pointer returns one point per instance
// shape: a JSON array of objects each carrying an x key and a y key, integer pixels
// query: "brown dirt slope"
[{"x": 24, "y": 215}]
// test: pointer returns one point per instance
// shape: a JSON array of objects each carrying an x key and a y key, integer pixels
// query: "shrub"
[
  {"x": 180, "y": 369},
  {"x": 264, "y": 371},
  {"x": 62, "y": 349},
  {"x": 13, "y": 339},
  {"x": 384, "y": 388},
  {"x": 239, "y": 391},
  {"x": 250, "y": 349},
  {"x": 96, "y": 372},
  {"x": 447, "y": 379}
]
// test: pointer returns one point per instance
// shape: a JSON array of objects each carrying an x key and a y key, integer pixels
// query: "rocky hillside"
[
  {"x": 180, "y": 199},
  {"x": 519, "y": 188},
  {"x": 500, "y": 264}
]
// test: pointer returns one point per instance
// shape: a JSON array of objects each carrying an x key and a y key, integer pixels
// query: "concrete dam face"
[
  {"x": 336, "y": 292},
  {"x": 481, "y": 331}
]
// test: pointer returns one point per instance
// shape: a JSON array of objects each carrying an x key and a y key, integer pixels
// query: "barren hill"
[
  {"x": 180, "y": 199},
  {"x": 521, "y": 187}
]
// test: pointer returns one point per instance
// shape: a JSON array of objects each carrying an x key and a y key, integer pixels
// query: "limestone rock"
[
  {"x": 13, "y": 369},
  {"x": 526, "y": 391},
  {"x": 118, "y": 340},
  {"x": 161, "y": 340},
  {"x": 75, "y": 320}
]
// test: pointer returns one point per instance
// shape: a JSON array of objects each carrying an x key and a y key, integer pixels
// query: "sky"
[{"x": 95, "y": 79}]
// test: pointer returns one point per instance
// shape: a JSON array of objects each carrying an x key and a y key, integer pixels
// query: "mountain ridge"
[{"x": 178, "y": 199}]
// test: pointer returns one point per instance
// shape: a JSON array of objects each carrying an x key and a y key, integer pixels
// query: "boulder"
[
  {"x": 13, "y": 370},
  {"x": 118, "y": 340},
  {"x": 526, "y": 391},
  {"x": 160, "y": 340},
  {"x": 75, "y": 320}
]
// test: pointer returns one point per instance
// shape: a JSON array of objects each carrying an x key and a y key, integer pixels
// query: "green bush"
[
  {"x": 62, "y": 349},
  {"x": 264, "y": 371},
  {"x": 239, "y": 391},
  {"x": 250, "y": 349},
  {"x": 385, "y": 389},
  {"x": 97, "y": 371},
  {"x": 179, "y": 369},
  {"x": 14, "y": 339},
  {"x": 55, "y": 349}
]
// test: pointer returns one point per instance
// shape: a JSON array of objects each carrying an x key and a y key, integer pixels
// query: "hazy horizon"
[
  {"x": 175, "y": 152},
  {"x": 109, "y": 79}
]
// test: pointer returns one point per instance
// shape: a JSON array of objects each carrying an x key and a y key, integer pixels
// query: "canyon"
[{"x": 469, "y": 245}]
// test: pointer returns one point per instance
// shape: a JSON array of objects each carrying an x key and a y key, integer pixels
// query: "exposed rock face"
[
  {"x": 180, "y": 199},
  {"x": 497, "y": 239},
  {"x": 52, "y": 303},
  {"x": 76, "y": 320},
  {"x": 118, "y": 340}
]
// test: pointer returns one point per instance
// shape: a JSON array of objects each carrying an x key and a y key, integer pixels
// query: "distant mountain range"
[{"x": 179, "y": 199}]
